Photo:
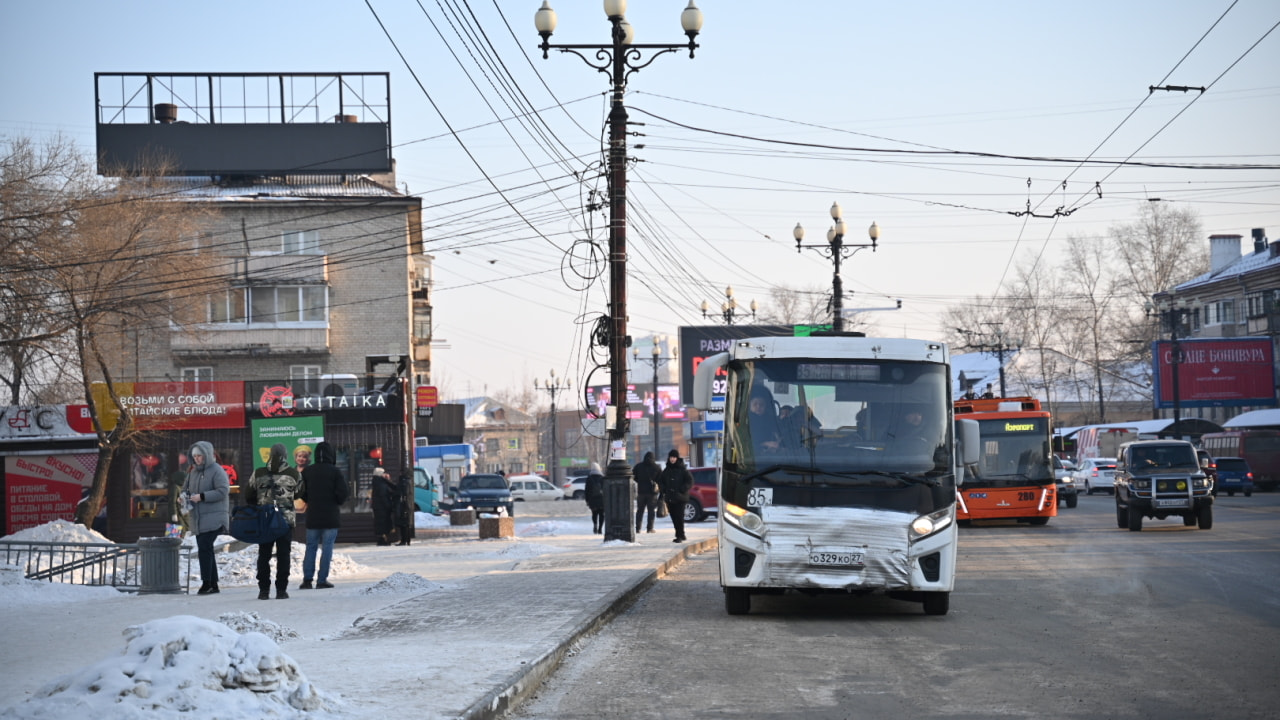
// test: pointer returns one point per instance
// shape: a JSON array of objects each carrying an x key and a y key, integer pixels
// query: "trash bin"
[{"x": 159, "y": 564}]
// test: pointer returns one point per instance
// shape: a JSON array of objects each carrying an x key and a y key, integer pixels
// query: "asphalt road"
[{"x": 1076, "y": 619}]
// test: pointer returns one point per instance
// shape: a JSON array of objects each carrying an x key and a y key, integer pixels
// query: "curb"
[{"x": 518, "y": 686}]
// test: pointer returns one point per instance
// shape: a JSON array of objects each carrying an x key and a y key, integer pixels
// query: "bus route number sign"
[{"x": 759, "y": 497}]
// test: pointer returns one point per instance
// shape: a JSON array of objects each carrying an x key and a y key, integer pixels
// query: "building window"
[
  {"x": 305, "y": 378},
  {"x": 1222, "y": 312},
  {"x": 306, "y": 242},
  {"x": 1258, "y": 304},
  {"x": 197, "y": 374},
  {"x": 227, "y": 307},
  {"x": 422, "y": 323},
  {"x": 261, "y": 305}
]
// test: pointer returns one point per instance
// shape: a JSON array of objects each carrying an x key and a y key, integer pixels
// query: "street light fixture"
[
  {"x": 656, "y": 358},
  {"x": 554, "y": 385},
  {"x": 836, "y": 249},
  {"x": 728, "y": 308},
  {"x": 618, "y": 60}
]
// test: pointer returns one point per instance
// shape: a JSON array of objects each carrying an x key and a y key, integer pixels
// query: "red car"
[{"x": 702, "y": 498}]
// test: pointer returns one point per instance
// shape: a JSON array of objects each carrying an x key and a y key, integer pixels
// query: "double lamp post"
[{"x": 618, "y": 60}]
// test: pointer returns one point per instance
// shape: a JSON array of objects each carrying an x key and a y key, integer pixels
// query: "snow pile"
[
  {"x": 58, "y": 531},
  {"x": 397, "y": 583},
  {"x": 183, "y": 664},
  {"x": 244, "y": 622},
  {"x": 427, "y": 520},
  {"x": 241, "y": 568},
  {"x": 16, "y": 589}
]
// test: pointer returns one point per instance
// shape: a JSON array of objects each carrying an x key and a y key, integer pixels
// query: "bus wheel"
[
  {"x": 937, "y": 603},
  {"x": 1072, "y": 501},
  {"x": 1135, "y": 519},
  {"x": 1038, "y": 520},
  {"x": 737, "y": 601},
  {"x": 1205, "y": 516}
]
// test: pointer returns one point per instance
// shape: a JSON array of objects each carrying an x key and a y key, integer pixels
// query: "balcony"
[{"x": 244, "y": 341}]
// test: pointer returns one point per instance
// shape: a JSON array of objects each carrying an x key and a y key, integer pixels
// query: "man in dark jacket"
[
  {"x": 594, "y": 490},
  {"x": 386, "y": 504},
  {"x": 676, "y": 482},
  {"x": 277, "y": 483},
  {"x": 646, "y": 475},
  {"x": 325, "y": 491}
]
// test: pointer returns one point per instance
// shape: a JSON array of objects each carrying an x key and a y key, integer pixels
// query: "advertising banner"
[
  {"x": 640, "y": 401},
  {"x": 174, "y": 405},
  {"x": 1215, "y": 372},
  {"x": 299, "y": 435},
  {"x": 697, "y": 343},
  {"x": 43, "y": 488},
  {"x": 40, "y": 422},
  {"x": 279, "y": 398}
]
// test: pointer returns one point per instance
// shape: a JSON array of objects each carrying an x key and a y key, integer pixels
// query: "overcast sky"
[{"x": 784, "y": 110}]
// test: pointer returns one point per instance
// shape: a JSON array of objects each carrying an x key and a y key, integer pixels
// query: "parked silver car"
[
  {"x": 1096, "y": 474},
  {"x": 1062, "y": 472}
]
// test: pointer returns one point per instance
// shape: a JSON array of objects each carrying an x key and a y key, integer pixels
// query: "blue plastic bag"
[{"x": 258, "y": 524}]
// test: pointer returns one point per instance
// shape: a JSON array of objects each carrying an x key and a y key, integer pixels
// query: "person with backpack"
[
  {"x": 646, "y": 474},
  {"x": 595, "y": 497},
  {"x": 325, "y": 491},
  {"x": 676, "y": 482},
  {"x": 276, "y": 483}
]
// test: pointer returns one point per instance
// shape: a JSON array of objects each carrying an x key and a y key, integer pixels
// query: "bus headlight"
[
  {"x": 743, "y": 518},
  {"x": 926, "y": 525}
]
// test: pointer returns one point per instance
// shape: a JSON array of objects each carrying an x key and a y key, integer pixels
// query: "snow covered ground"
[{"x": 233, "y": 657}]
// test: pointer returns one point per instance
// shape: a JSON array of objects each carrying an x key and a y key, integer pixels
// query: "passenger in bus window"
[{"x": 764, "y": 421}]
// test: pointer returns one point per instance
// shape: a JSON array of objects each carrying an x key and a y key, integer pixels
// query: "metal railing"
[{"x": 106, "y": 564}]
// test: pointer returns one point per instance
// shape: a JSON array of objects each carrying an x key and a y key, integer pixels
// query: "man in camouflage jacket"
[{"x": 277, "y": 483}]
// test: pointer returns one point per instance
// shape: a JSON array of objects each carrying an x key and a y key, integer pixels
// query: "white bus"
[{"x": 840, "y": 467}]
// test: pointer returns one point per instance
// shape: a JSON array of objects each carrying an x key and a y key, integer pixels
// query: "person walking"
[
  {"x": 276, "y": 483},
  {"x": 676, "y": 482},
  {"x": 594, "y": 490},
  {"x": 403, "y": 515},
  {"x": 207, "y": 489},
  {"x": 645, "y": 474},
  {"x": 325, "y": 491},
  {"x": 385, "y": 495}
]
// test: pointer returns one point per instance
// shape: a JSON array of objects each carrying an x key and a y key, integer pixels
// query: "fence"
[{"x": 109, "y": 564}]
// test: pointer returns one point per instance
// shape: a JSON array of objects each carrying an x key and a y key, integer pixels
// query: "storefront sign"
[
  {"x": 284, "y": 398},
  {"x": 43, "y": 488},
  {"x": 174, "y": 405},
  {"x": 38, "y": 422}
]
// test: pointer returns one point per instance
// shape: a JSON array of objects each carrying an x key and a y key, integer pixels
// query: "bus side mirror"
[{"x": 704, "y": 380}]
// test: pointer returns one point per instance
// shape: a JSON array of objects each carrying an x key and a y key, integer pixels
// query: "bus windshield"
[
  {"x": 837, "y": 432},
  {"x": 1015, "y": 452}
]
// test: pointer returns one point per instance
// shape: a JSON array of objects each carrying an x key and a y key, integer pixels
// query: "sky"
[
  {"x": 227, "y": 659},
  {"x": 941, "y": 122}
]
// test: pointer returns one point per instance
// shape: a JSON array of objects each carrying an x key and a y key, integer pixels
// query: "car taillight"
[{"x": 1248, "y": 476}]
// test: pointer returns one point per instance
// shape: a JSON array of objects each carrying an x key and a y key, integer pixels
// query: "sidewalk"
[{"x": 449, "y": 627}]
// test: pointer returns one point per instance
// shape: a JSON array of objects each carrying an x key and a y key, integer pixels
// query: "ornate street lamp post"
[
  {"x": 836, "y": 249},
  {"x": 554, "y": 385},
  {"x": 728, "y": 308},
  {"x": 618, "y": 60}
]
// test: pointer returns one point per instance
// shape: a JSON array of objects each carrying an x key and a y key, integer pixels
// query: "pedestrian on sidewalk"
[
  {"x": 403, "y": 515},
  {"x": 325, "y": 491},
  {"x": 594, "y": 491},
  {"x": 207, "y": 489},
  {"x": 385, "y": 496},
  {"x": 276, "y": 483},
  {"x": 646, "y": 474},
  {"x": 676, "y": 482}
]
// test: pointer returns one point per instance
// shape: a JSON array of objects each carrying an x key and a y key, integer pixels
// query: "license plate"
[
  {"x": 836, "y": 559},
  {"x": 1172, "y": 503}
]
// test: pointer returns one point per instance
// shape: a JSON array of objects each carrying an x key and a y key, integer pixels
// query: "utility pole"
[
  {"x": 618, "y": 60},
  {"x": 998, "y": 346}
]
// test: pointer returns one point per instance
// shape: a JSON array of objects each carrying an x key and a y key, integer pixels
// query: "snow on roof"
[{"x": 1255, "y": 419}]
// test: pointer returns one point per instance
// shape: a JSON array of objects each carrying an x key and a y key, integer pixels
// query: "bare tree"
[
  {"x": 124, "y": 262},
  {"x": 1163, "y": 248}
]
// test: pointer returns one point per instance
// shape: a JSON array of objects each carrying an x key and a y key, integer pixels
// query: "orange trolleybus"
[{"x": 1013, "y": 478}]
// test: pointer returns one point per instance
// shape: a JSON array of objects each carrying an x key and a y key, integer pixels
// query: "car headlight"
[
  {"x": 1142, "y": 484},
  {"x": 743, "y": 519},
  {"x": 1202, "y": 482},
  {"x": 926, "y": 525}
]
